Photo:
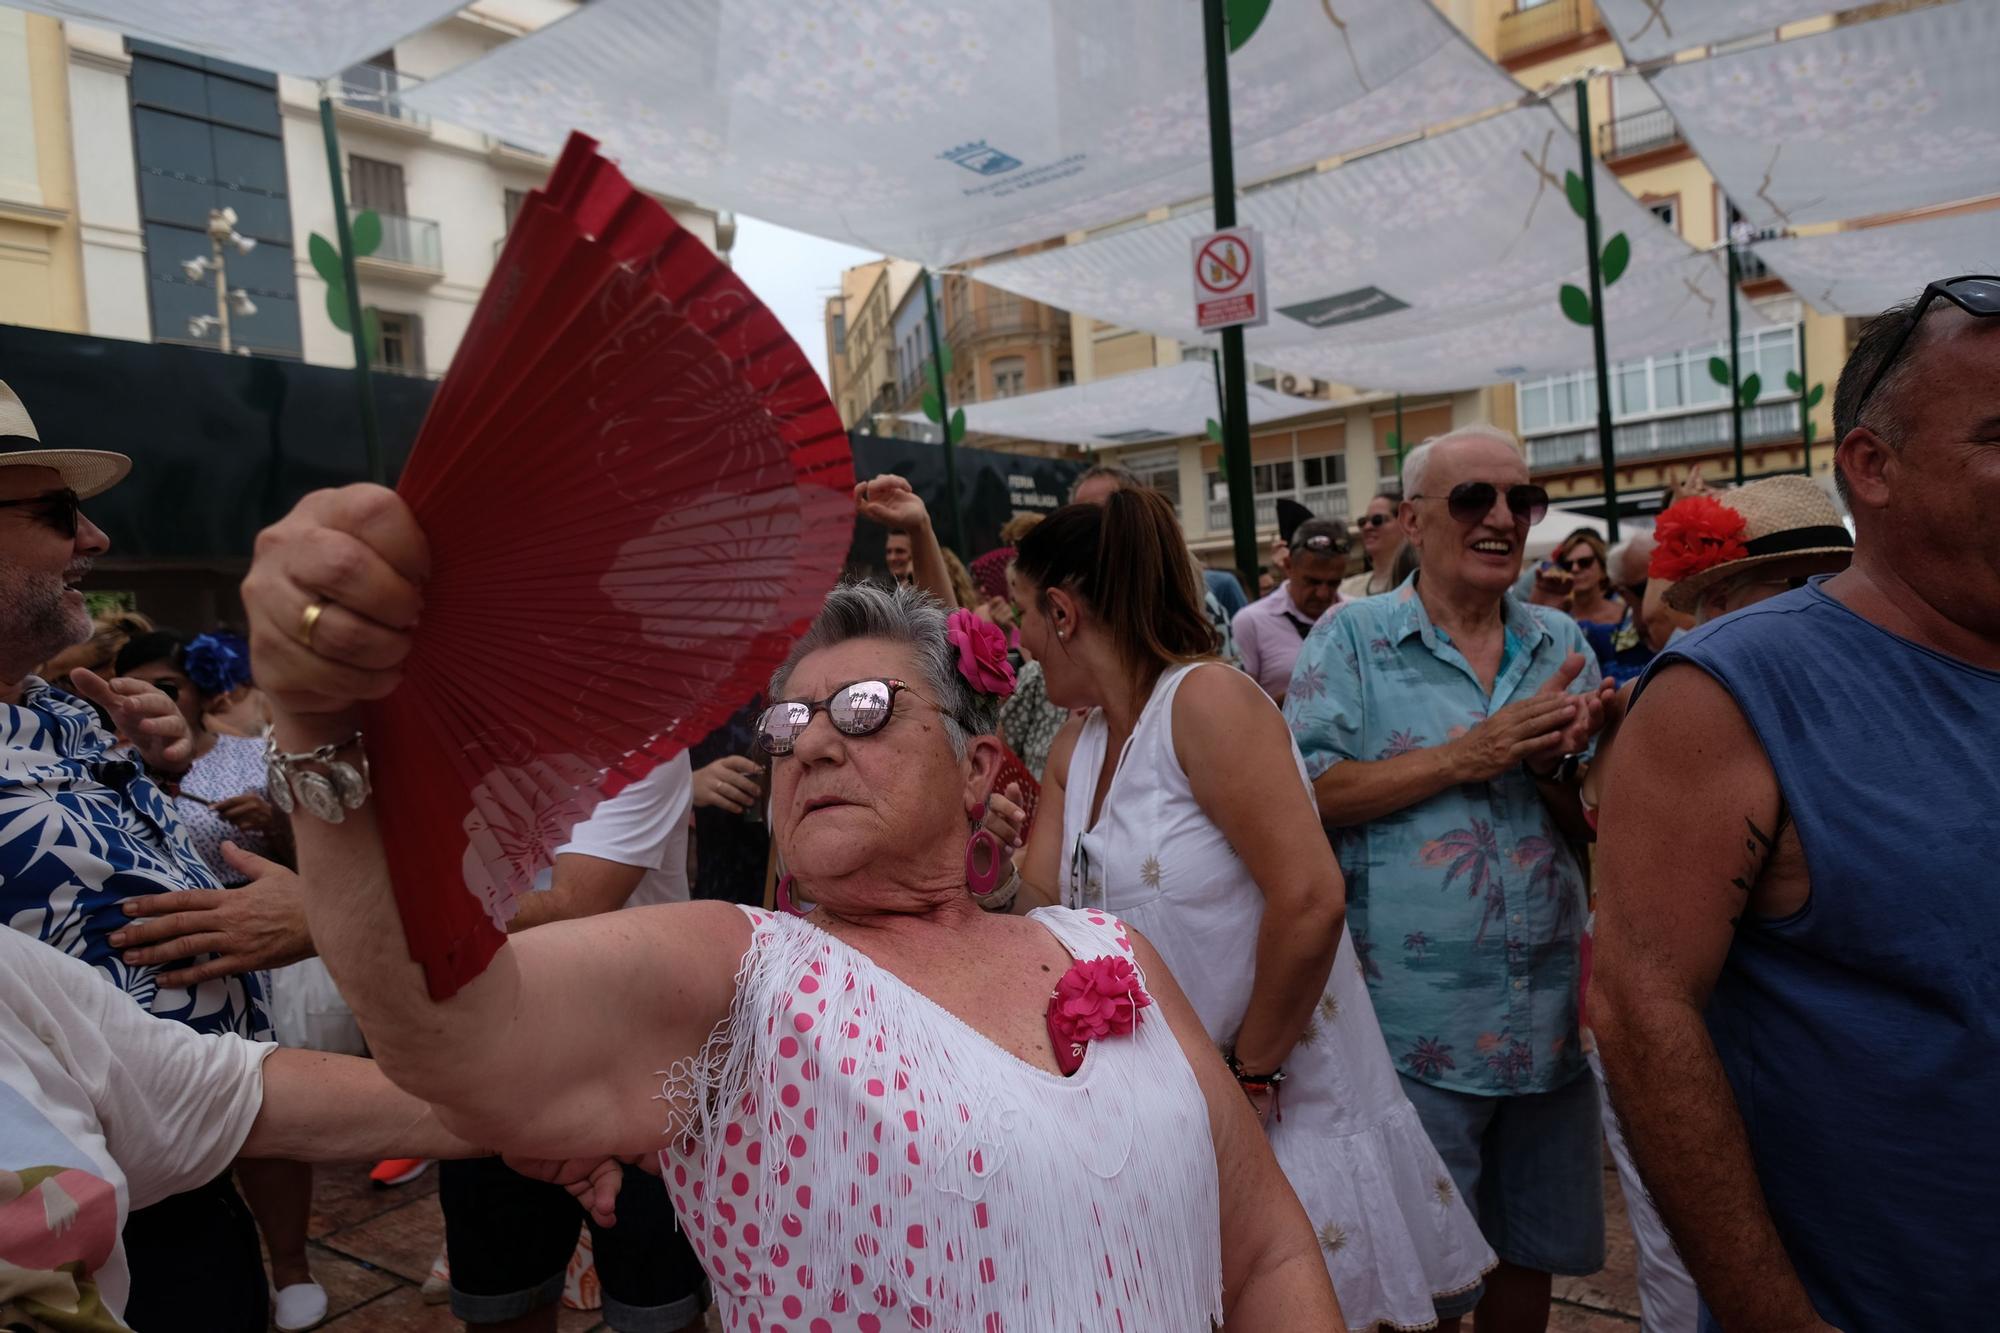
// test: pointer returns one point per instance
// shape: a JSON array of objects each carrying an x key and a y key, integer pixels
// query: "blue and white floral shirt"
[
  {"x": 82, "y": 829},
  {"x": 1467, "y": 908}
]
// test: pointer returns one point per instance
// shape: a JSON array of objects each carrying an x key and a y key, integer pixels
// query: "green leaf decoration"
[
  {"x": 1817, "y": 392},
  {"x": 325, "y": 259},
  {"x": 366, "y": 232},
  {"x": 1617, "y": 254},
  {"x": 1395, "y": 443},
  {"x": 1573, "y": 187},
  {"x": 1793, "y": 382},
  {"x": 944, "y": 357},
  {"x": 1215, "y": 430},
  {"x": 958, "y": 424},
  {"x": 371, "y": 333},
  {"x": 932, "y": 407},
  {"x": 336, "y": 308},
  {"x": 1752, "y": 386},
  {"x": 1244, "y": 18},
  {"x": 1575, "y": 304},
  {"x": 1718, "y": 370},
  {"x": 1812, "y": 429}
]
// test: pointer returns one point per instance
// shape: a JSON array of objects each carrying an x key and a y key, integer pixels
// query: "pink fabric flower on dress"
[
  {"x": 982, "y": 653},
  {"x": 1098, "y": 997}
]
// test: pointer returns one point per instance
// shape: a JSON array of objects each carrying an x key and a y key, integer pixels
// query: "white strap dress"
[
  {"x": 1391, "y": 1226},
  {"x": 858, "y": 1160}
]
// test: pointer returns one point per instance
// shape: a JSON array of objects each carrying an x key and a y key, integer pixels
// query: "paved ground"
[{"x": 372, "y": 1248}]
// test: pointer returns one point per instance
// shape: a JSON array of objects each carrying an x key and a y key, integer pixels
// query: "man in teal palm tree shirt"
[{"x": 1444, "y": 726}]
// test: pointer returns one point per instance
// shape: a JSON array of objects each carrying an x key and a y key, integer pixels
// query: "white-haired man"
[{"x": 1443, "y": 725}]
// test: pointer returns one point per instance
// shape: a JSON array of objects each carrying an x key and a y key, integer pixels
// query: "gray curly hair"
[{"x": 906, "y": 616}]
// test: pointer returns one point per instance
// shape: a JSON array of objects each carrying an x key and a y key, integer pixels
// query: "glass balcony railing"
[
  {"x": 1324, "y": 501},
  {"x": 413, "y": 242},
  {"x": 1691, "y": 433},
  {"x": 378, "y": 91}
]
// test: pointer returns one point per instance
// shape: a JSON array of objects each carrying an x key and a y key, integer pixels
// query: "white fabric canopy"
[
  {"x": 1865, "y": 272},
  {"x": 1649, "y": 29},
  {"x": 1864, "y": 119},
  {"x": 315, "y": 40},
  {"x": 1387, "y": 248},
  {"x": 1670, "y": 306},
  {"x": 946, "y": 133},
  {"x": 1169, "y": 402}
]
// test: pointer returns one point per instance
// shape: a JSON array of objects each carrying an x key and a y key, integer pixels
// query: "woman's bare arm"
[
  {"x": 1040, "y": 862},
  {"x": 337, "y": 1108}
]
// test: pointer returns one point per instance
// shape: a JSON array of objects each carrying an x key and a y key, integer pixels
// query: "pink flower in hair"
[{"x": 982, "y": 653}]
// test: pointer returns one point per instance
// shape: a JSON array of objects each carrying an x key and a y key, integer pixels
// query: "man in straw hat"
[
  {"x": 85, "y": 830},
  {"x": 1795, "y": 996}
]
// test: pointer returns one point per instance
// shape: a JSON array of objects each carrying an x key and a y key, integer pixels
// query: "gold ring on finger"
[{"x": 309, "y": 620}]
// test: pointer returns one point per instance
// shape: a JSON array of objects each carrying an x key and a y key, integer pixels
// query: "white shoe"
[
  {"x": 299, "y": 1306},
  {"x": 437, "y": 1287}
]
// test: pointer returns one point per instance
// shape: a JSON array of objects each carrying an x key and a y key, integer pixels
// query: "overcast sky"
[{"x": 793, "y": 274}]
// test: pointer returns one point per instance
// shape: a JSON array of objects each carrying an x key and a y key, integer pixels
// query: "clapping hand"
[{"x": 890, "y": 501}]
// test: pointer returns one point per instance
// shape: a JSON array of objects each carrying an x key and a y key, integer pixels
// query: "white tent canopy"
[
  {"x": 316, "y": 40},
  {"x": 1649, "y": 29},
  {"x": 1170, "y": 402},
  {"x": 1864, "y": 119},
  {"x": 1379, "y": 269},
  {"x": 946, "y": 133},
  {"x": 1864, "y": 272}
]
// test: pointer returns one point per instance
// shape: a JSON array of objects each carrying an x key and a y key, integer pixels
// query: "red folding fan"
[{"x": 636, "y": 495}]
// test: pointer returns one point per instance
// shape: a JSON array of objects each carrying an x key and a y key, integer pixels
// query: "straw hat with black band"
[
  {"x": 88, "y": 472},
  {"x": 1778, "y": 519}
]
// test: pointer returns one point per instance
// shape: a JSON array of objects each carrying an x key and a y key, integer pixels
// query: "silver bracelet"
[{"x": 327, "y": 792}]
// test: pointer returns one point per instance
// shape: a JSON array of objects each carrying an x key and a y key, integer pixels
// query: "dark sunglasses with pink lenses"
[{"x": 860, "y": 708}]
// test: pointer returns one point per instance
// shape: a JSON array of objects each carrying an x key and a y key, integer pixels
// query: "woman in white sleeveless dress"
[{"x": 1181, "y": 764}]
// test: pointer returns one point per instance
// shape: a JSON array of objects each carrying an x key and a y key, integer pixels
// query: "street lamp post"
[{"x": 222, "y": 237}]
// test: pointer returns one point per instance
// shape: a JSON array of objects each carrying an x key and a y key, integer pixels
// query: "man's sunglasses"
[
  {"x": 1974, "y": 293},
  {"x": 1471, "y": 501},
  {"x": 1323, "y": 543},
  {"x": 58, "y": 509},
  {"x": 859, "y": 709}
]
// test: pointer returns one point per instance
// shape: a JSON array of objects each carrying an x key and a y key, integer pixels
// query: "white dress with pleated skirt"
[
  {"x": 1391, "y": 1226},
  {"x": 850, "y": 1157}
]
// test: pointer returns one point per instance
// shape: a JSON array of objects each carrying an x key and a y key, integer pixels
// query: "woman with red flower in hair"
[{"x": 1179, "y": 803}]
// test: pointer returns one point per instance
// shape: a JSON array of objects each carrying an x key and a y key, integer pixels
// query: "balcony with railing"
[
  {"x": 377, "y": 91},
  {"x": 1529, "y": 29},
  {"x": 1637, "y": 441},
  {"x": 996, "y": 321},
  {"x": 411, "y": 250},
  {"x": 1324, "y": 501},
  {"x": 1640, "y": 132}
]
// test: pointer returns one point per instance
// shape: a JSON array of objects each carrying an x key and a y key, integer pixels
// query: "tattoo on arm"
[{"x": 1760, "y": 846}]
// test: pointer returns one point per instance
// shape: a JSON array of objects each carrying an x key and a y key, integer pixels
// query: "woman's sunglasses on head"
[
  {"x": 861, "y": 708},
  {"x": 1470, "y": 501},
  {"x": 58, "y": 509}
]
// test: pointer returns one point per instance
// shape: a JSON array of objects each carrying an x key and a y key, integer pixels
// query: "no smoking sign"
[{"x": 1228, "y": 279}]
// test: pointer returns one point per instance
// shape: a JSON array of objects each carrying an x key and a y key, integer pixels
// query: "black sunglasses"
[
  {"x": 58, "y": 509},
  {"x": 858, "y": 709},
  {"x": 1471, "y": 501},
  {"x": 1974, "y": 293},
  {"x": 1322, "y": 542},
  {"x": 1575, "y": 563},
  {"x": 1372, "y": 520}
]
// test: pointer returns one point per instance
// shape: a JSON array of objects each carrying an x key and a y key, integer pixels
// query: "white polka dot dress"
[{"x": 858, "y": 1159}]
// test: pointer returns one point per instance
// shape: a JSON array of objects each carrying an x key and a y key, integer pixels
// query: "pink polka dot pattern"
[{"x": 859, "y": 1179}]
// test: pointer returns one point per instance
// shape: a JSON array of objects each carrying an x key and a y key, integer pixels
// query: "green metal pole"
[
  {"x": 1735, "y": 375},
  {"x": 954, "y": 521},
  {"x": 1401, "y": 445},
  {"x": 1805, "y": 413},
  {"x": 371, "y": 433},
  {"x": 1605, "y": 443},
  {"x": 1236, "y": 393}
]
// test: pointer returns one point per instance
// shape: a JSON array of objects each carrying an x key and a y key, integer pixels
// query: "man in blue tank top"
[{"x": 1796, "y": 996}]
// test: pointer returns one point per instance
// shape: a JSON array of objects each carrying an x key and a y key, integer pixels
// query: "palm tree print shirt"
[
  {"x": 82, "y": 828},
  {"x": 1466, "y": 909}
]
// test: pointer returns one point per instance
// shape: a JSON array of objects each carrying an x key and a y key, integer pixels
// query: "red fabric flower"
[
  {"x": 982, "y": 653},
  {"x": 1098, "y": 997},
  {"x": 1694, "y": 534}
]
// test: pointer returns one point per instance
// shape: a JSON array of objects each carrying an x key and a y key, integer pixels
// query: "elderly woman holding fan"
[{"x": 856, "y": 1107}]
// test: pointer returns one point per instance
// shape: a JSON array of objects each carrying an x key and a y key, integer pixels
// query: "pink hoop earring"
[
  {"x": 982, "y": 882},
  {"x": 784, "y": 898}
]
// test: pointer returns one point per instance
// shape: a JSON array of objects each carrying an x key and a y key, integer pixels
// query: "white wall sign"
[{"x": 1228, "y": 280}]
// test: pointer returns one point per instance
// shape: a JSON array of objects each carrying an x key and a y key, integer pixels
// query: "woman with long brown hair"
[{"x": 1183, "y": 807}]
